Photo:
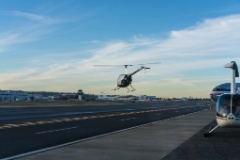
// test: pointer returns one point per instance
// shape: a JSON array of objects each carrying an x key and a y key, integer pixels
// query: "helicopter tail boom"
[{"x": 141, "y": 68}]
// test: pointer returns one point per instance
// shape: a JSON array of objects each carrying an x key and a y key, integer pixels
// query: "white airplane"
[
  {"x": 228, "y": 104},
  {"x": 222, "y": 89}
]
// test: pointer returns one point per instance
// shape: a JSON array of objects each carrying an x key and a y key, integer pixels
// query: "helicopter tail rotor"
[
  {"x": 144, "y": 65},
  {"x": 145, "y": 68}
]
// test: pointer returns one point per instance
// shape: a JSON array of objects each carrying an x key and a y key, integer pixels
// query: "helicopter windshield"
[
  {"x": 224, "y": 105},
  {"x": 121, "y": 77}
]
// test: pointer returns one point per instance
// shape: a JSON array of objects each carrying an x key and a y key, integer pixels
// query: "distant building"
[
  {"x": 68, "y": 96},
  {"x": 80, "y": 95},
  {"x": 89, "y": 97},
  {"x": 184, "y": 99},
  {"x": 11, "y": 96},
  {"x": 55, "y": 97},
  {"x": 142, "y": 98},
  {"x": 126, "y": 98},
  {"x": 151, "y": 98},
  {"x": 105, "y": 98}
]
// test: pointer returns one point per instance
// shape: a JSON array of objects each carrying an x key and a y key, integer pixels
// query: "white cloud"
[
  {"x": 15, "y": 76},
  {"x": 204, "y": 48},
  {"x": 26, "y": 34},
  {"x": 31, "y": 16}
]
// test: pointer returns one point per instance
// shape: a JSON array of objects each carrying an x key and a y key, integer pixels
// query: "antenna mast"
[{"x": 126, "y": 71}]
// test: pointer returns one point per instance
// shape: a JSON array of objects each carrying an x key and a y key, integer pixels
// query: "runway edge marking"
[
  {"x": 41, "y": 122},
  {"x": 90, "y": 138}
]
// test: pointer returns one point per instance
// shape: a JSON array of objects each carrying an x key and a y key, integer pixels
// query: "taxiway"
[{"x": 28, "y": 130}]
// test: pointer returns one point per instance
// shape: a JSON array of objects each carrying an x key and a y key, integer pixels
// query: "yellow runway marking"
[
  {"x": 11, "y": 125},
  {"x": 67, "y": 119},
  {"x": 76, "y": 119},
  {"x": 57, "y": 120},
  {"x": 93, "y": 117},
  {"x": 82, "y": 118},
  {"x": 23, "y": 125},
  {"x": 102, "y": 116},
  {"x": 3, "y": 127},
  {"x": 29, "y": 123}
]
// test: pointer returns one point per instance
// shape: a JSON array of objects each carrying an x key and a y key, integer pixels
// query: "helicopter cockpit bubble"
[
  {"x": 224, "y": 105},
  {"x": 236, "y": 105},
  {"x": 122, "y": 81},
  {"x": 121, "y": 77}
]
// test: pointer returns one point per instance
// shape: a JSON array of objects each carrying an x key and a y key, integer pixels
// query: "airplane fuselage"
[{"x": 221, "y": 89}]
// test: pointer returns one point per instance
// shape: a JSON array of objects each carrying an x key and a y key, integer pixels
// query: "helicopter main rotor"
[{"x": 126, "y": 65}]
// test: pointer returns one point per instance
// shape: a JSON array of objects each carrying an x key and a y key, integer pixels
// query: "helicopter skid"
[
  {"x": 116, "y": 89},
  {"x": 225, "y": 122}
]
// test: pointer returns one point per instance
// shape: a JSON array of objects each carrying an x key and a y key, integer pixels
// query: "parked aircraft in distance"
[{"x": 221, "y": 89}]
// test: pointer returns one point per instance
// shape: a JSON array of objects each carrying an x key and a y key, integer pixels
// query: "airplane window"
[{"x": 223, "y": 87}]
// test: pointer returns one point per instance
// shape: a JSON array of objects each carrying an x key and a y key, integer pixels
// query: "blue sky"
[{"x": 52, "y": 44}]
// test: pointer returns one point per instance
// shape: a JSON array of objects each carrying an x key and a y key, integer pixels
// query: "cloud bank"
[{"x": 192, "y": 59}]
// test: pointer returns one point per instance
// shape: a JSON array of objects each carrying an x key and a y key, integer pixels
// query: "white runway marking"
[
  {"x": 63, "y": 129},
  {"x": 128, "y": 119},
  {"x": 90, "y": 138}
]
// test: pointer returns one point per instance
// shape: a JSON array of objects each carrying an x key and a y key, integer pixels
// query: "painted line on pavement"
[
  {"x": 90, "y": 138},
  {"x": 41, "y": 122},
  {"x": 57, "y": 130}
]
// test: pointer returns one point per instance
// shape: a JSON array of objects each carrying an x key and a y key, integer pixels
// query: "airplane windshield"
[{"x": 224, "y": 103}]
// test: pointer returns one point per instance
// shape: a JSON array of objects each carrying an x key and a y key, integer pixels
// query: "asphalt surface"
[
  {"x": 223, "y": 144},
  {"x": 26, "y": 129}
]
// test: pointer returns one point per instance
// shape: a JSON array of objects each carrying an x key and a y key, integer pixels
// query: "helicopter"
[
  {"x": 228, "y": 104},
  {"x": 125, "y": 80}
]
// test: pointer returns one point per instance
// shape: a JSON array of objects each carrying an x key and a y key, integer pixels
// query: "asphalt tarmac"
[
  {"x": 24, "y": 130},
  {"x": 149, "y": 141},
  {"x": 223, "y": 144}
]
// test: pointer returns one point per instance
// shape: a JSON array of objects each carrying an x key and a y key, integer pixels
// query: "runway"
[{"x": 27, "y": 129}]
